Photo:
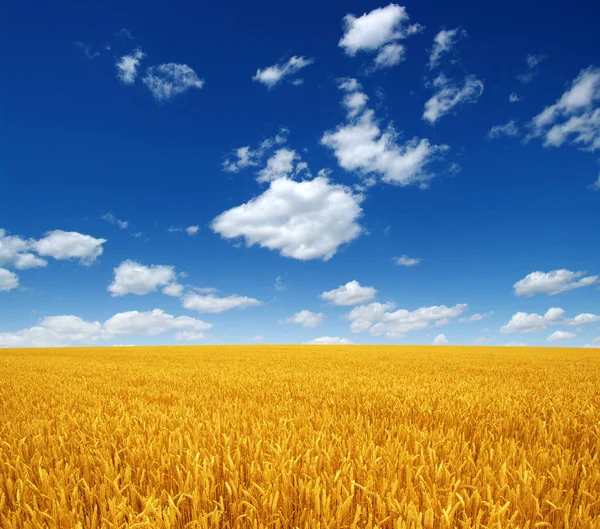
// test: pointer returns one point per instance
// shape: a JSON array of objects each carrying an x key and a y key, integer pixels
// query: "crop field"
[{"x": 300, "y": 437}]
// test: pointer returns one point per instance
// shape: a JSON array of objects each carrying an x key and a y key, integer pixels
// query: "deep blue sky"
[{"x": 78, "y": 142}]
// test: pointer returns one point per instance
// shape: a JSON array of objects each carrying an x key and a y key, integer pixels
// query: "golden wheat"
[{"x": 300, "y": 437}]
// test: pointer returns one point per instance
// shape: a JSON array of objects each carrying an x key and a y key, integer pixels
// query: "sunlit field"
[{"x": 300, "y": 436}]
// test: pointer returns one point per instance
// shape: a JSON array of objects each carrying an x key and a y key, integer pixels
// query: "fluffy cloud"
[
  {"x": 214, "y": 304},
  {"x": 449, "y": 95},
  {"x": 330, "y": 340},
  {"x": 70, "y": 245},
  {"x": 508, "y": 129},
  {"x": 127, "y": 66},
  {"x": 575, "y": 117},
  {"x": 192, "y": 230},
  {"x": 280, "y": 165},
  {"x": 165, "y": 81},
  {"x": 552, "y": 283},
  {"x": 378, "y": 30},
  {"x": 440, "y": 339},
  {"x": 560, "y": 335},
  {"x": 476, "y": 317},
  {"x": 173, "y": 289},
  {"x": 405, "y": 260},
  {"x": 378, "y": 319},
  {"x": 351, "y": 293},
  {"x": 303, "y": 220},
  {"x": 272, "y": 75},
  {"x": 15, "y": 252},
  {"x": 8, "y": 279},
  {"x": 69, "y": 330},
  {"x": 582, "y": 319},
  {"x": 521, "y": 322},
  {"x": 306, "y": 318},
  {"x": 135, "y": 278},
  {"x": 443, "y": 42},
  {"x": 533, "y": 61},
  {"x": 247, "y": 157},
  {"x": 360, "y": 145}
]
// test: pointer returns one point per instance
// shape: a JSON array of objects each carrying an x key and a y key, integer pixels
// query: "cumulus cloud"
[
  {"x": 127, "y": 66},
  {"x": 443, "y": 42},
  {"x": 508, "y": 129},
  {"x": 533, "y": 62},
  {"x": 109, "y": 217},
  {"x": 521, "y": 322},
  {"x": 330, "y": 340},
  {"x": 63, "y": 245},
  {"x": 361, "y": 146},
  {"x": 302, "y": 220},
  {"x": 582, "y": 319},
  {"x": 15, "y": 252},
  {"x": 552, "y": 283},
  {"x": 166, "y": 81},
  {"x": 272, "y": 75},
  {"x": 280, "y": 165},
  {"x": 352, "y": 293},
  {"x": 440, "y": 339},
  {"x": 214, "y": 304},
  {"x": 405, "y": 260},
  {"x": 378, "y": 319},
  {"x": 575, "y": 117},
  {"x": 379, "y": 30},
  {"x": 306, "y": 318},
  {"x": 8, "y": 280},
  {"x": 131, "y": 277},
  {"x": 560, "y": 335},
  {"x": 449, "y": 95},
  {"x": 246, "y": 157},
  {"x": 173, "y": 289},
  {"x": 192, "y": 230},
  {"x": 69, "y": 330}
]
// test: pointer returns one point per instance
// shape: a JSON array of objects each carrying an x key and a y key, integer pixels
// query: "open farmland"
[{"x": 300, "y": 436}]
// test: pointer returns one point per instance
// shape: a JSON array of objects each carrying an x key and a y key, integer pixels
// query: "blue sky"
[{"x": 266, "y": 173}]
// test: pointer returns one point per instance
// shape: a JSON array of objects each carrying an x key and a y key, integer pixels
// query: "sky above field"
[{"x": 351, "y": 172}]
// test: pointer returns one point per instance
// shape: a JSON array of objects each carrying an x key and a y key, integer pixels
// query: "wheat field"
[{"x": 300, "y": 437}]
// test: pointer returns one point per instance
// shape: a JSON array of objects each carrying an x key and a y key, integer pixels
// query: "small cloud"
[
  {"x": 192, "y": 230},
  {"x": 214, "y": 304},
  {"x": 405, "y": 260},
  {"x": 127, "y": 66},
  {"x": 509, "y": 129},
  {"x": 352, "y": 293},
  {"x": 109, "y": 217},
  {"x": 533, "y": 61},
  {"x": 449, "y": 95},
  {"x": 440, "y": 339},
  {"x": 514, "y": 97},
  {"x": 330, "y": 340},
  {"x": 476, "y": 317},
  {"x": 124, "y": 33},
  {"x": 306, "y": 318},
  {"x": 443, "y": 42},
  {"x": 552, "y": 283},
  {"x": 560, "y": 335},
  {"x": 87, "y": 50},
  {"x": 279, "y": 284},
  {"x": 173, "y": 289},
  {"x": 166, "y": 81},
  {"x": 131, "y": 277},
  {"x": 596, "y": 185},
  {"x": 8, "y": 280},
  {"x": 272, "y": 75}
]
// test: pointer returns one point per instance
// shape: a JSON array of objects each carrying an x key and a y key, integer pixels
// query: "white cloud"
[
  {"x": 214, "y": 304},
  {"x": 134, "y": 278},
  {"x": 192, "y": 230},
  {"x": 62, "y": 245},
  {"x": 533, "y": 61},
  {"x": 247, "y": 157},
  {"x": 440, "y": 339},
  {"x": 8, "y": 280},
  {"x": 109, "y": 217},
  {"x": 575, "y": 117},
  {"x": 352, "y": 293},
  {"x": 165, "y": 81},
  {"x": 560, "y": 335},
  {"x": 127, "y": 66},
  {"x": 405, "y": 260},
  {"x": 151, "y": 323},
  {"x": 582, "y": 319},
  {"x": 508, "y": 129},
  {"x": 69, "y": 330},
  {"x": 378, "y": 320},
  {"x": 514, "y": 344},
  {"x": 514, "y": 97},
  {"x": 521, "y": 322},
  {"x": 303, "y": 220},
  {"x": 330, "y": 340},
  {"x": 306, "y": 318},
  {"x": 280, "y": 165},
  {"x": 449, "y": 95},
  {"x": 359, "y": 144},
  {"x": 375, "y": 29},
  {"x": 390, "y": 55},
  {"x": 272, "y": 75},
  {"x": 476, "y": 317},
  {"x": 552, "y": 283},
  {"x": 173, "y": 289},
  {"x": 443, "y": 42},
  {"x": 14, "y": 252}
]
